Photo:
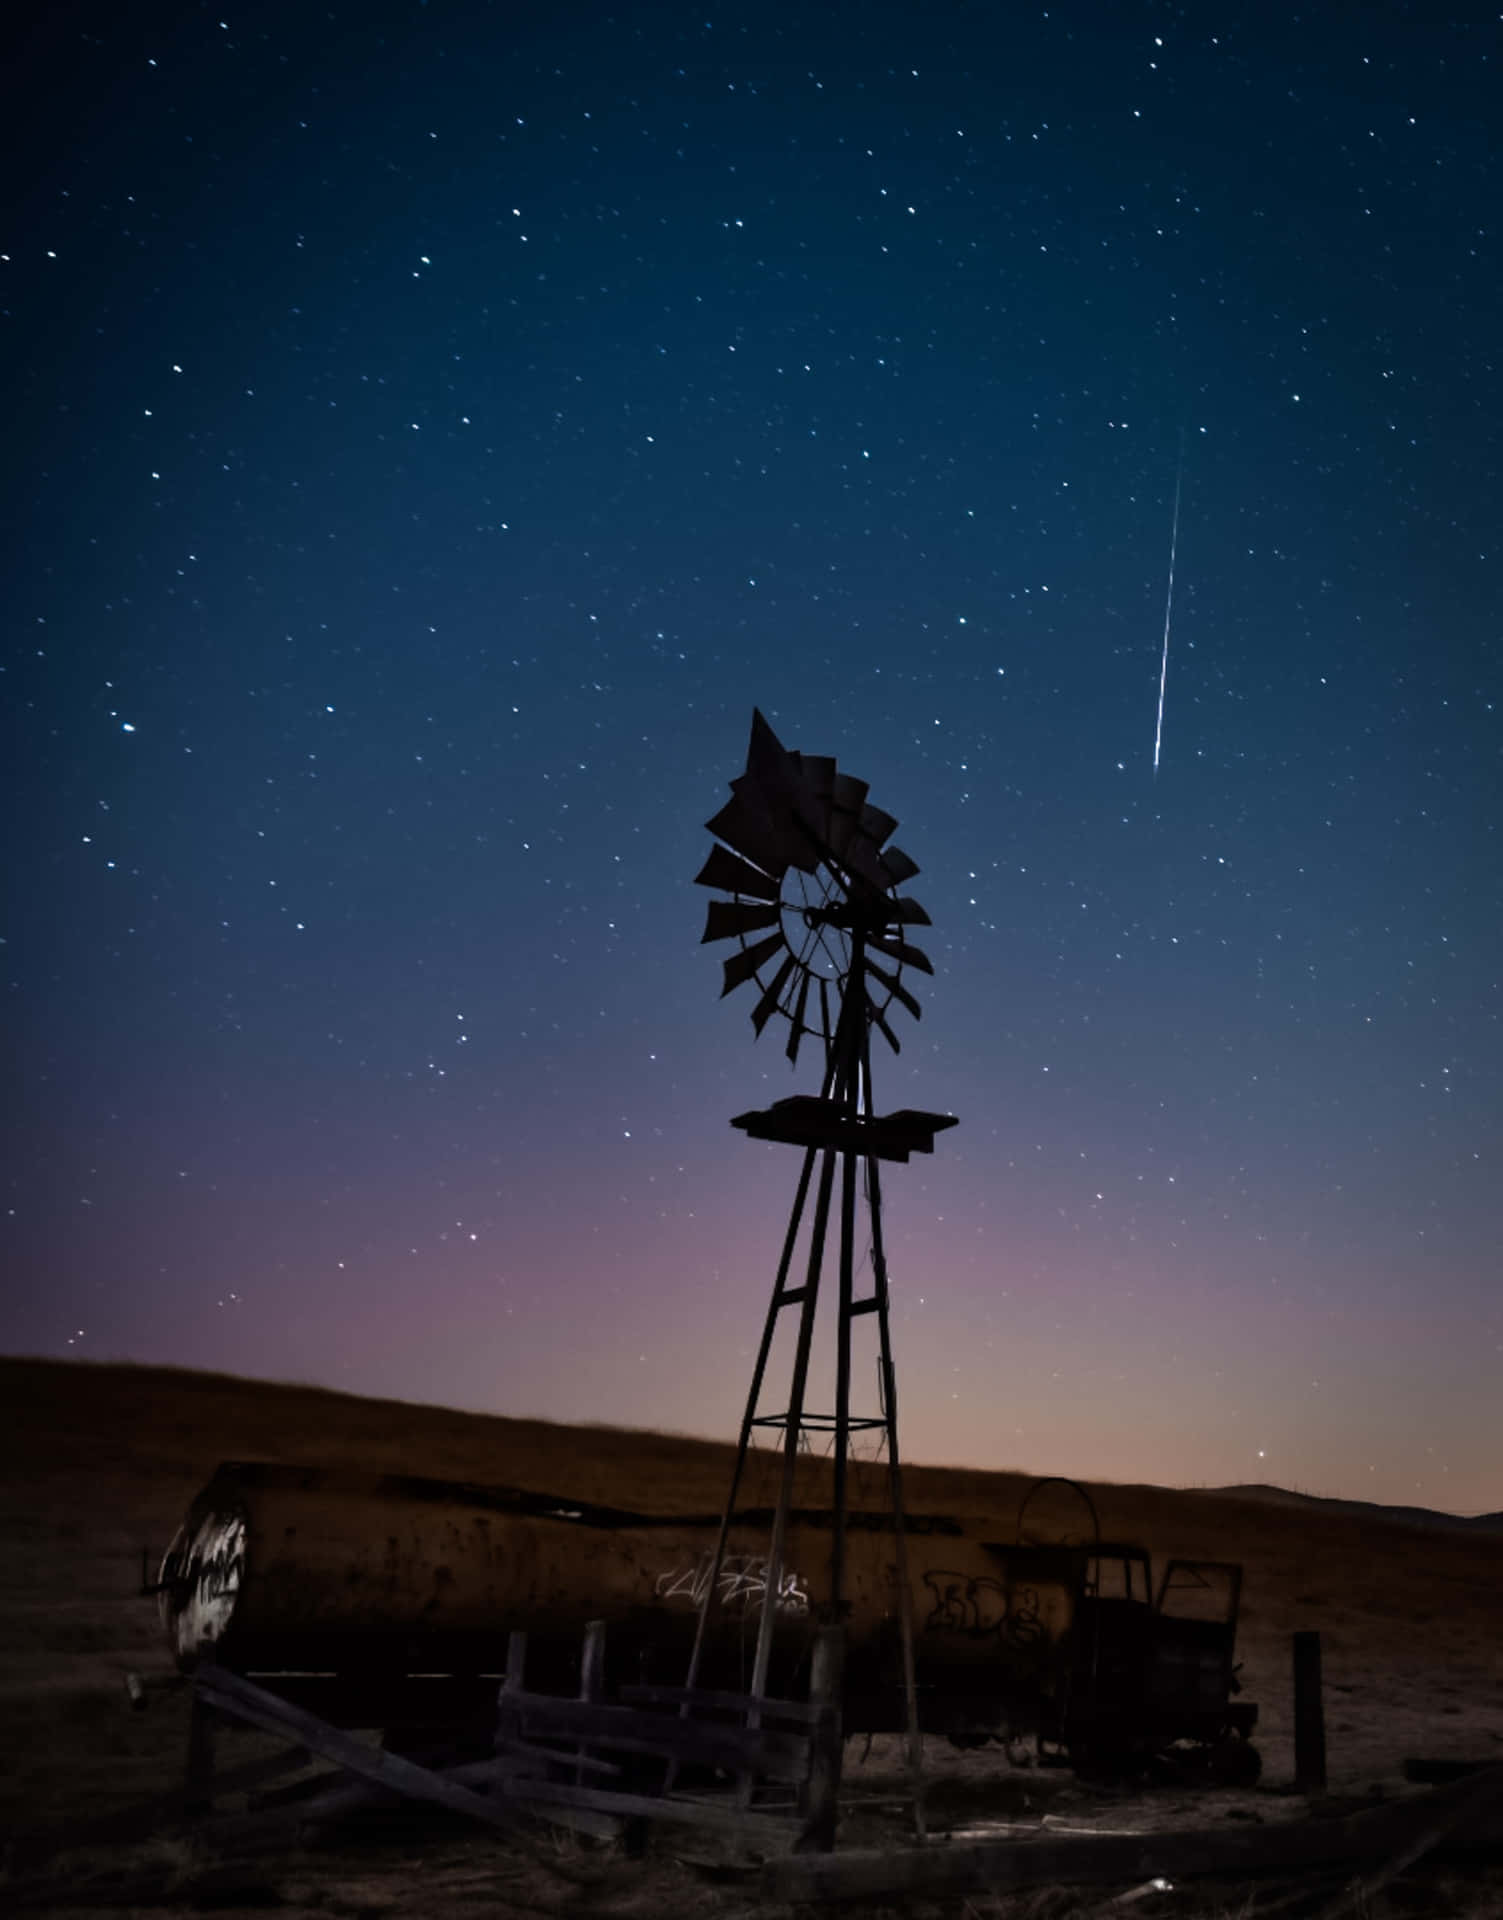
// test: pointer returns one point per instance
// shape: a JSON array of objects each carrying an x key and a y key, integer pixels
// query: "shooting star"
[{"x": 1158, "y": 732}]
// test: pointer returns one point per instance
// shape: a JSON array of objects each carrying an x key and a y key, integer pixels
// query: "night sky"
[{"x": 432, "y": 429}]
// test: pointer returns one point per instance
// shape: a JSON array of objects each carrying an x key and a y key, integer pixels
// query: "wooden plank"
[
  {"x": 591, "y": 1679},
  {"x": 336, "y": 1795},
  {"x": 709, "y": 1700},
  {"x": 891, "y": 1874},
  {"x": 599, "y": 1826},
  {"x": 774, "y": 1756},
  {"x": 962, "y": 1867},
  {"x": 526, "y": 1754},
  {"x": 592, "y": 1661},
  {"x": 336, "y": 1801},
  {"x": 198, "y": 1773},
  {"x": 766, "y": 1828},
  {"x": 256, "y": 1773},
  {"x": 508, "y": 1726},
  {"x": 513, "y": 1684},
  {"x": 1478, "y": 1794},
  {"x": 262, "y": 1709}
]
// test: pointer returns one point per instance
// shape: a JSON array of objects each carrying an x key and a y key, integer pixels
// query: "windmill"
[{"x": 822, "y": 933}]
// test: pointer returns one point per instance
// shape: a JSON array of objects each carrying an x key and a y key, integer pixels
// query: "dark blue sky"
[{"x": 433, "y": 428}]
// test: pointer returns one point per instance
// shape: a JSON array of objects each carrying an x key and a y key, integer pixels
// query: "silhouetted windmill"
[{"x": 822, "y": 932}]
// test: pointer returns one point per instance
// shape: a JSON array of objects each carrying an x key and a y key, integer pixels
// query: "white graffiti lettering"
[{"x": 742, "y": 1586}]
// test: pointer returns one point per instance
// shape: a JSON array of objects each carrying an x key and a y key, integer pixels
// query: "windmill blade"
[
  {"x": 881, "y": 1020},
  {"x": 774, "y": 781},
  {"x": 797, "y": 1030},
  {"x": 819, "y": 776},
  {"x": 849, "y": 794},
  {"x": 743, "y": 966},
  {"x": 876, "y": 823},
  {"x": 896, "y": 988},
  {"x": 745, "y": 824},
  {"x": 816, "y": 783},
  {"x": 908, "y": 913},
  {"x": 767, "y": 1006},
  {"x": 847, "y": 798},
  {"x": 900, "y": 951},
  {"x": 731, "y": 874},
  {"x": 897, "y": 865},
  {"x": 780, "y": 809},
  {"x": 862, "y": 859},
  {"x": 729, "y": 919}
]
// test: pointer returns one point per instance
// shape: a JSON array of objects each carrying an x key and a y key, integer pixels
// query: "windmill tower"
[{"x": 821, "y": 931}]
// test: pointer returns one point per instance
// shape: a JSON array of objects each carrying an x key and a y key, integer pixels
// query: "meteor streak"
[{"x": 1158, "y": 735}]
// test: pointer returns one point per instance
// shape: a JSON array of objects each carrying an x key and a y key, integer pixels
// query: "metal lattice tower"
[{"x": 822, "y": 932}]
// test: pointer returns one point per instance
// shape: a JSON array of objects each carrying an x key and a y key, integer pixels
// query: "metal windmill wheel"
[{"x": 805, "y": 860}]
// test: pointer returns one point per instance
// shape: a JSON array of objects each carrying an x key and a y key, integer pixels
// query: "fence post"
[
  {"x": 825, "y": 1742},
  {"x": 506, "y": 1714},
  {"x": 592, "y": 1661},
  {"x": 591, "y": 1679},
  {"x": 202, "y": 1725},
  {"x": 1309, "y": 1716},
  {"x": 200, "y": 1768}
]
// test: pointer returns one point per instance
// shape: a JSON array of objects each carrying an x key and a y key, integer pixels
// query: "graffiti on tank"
[
  {"x": 742, "y": 1585},
  {"x": 216, "y": 1575},
  {"x": 978, "y": 1607},
  {"x": 201, "y": 1580}
]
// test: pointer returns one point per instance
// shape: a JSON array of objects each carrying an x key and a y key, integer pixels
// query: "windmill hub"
[{"x": 844, "y": 916}]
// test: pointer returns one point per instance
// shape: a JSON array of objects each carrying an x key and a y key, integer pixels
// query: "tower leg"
[
  {"x": 778, "y": 1302},
  {"x": 847, "y": 1089},
  {"x": 894, "y": 1468},
  {"x": 823, "y": 1800},
  {"x": 841, "y": 1078},
  {"x": 777, "y": 1547},
  {"x": 843, "y": 1385}
]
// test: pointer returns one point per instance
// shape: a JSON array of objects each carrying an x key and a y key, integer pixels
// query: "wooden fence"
[{"x": 765, "y": 1770}]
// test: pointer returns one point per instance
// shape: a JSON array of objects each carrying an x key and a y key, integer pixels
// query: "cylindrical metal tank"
[{"x": 312, "y": 1570}]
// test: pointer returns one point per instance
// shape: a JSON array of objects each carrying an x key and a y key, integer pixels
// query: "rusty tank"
[{"x": 358, "y": 1585}]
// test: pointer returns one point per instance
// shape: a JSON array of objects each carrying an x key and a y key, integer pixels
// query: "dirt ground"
[{"x": 99, "y": 1462}]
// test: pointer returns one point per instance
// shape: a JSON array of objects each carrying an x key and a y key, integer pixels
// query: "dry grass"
[{"x": 97, "y": 1461}]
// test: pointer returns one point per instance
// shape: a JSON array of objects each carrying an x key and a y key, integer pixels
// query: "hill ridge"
[
  {"x": 204, "y": 1380},
  {"x": 1271, "y": 1495}
]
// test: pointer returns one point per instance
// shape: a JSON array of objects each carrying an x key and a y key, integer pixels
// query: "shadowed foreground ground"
[{"x": 99, "y": 1461}]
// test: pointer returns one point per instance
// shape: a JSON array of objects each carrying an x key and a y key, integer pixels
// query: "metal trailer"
[{"x": 387, "y": 1600}]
